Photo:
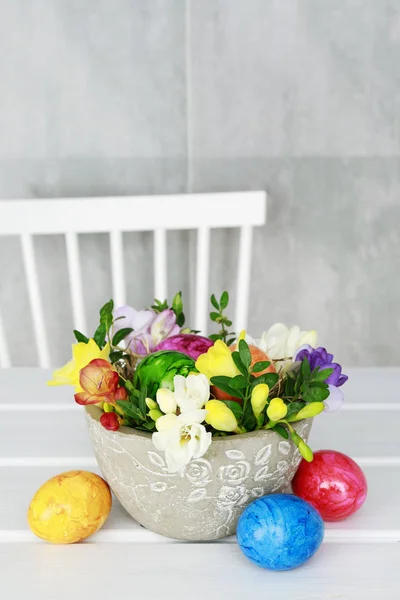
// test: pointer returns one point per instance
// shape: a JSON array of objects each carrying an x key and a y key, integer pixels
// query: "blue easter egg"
[{"x": 280, "y": 532}]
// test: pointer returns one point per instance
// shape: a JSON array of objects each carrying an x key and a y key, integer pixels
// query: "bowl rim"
[{"x": 94, "y": 412}]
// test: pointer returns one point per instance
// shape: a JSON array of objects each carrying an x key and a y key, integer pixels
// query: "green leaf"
[
  {"x": 230, "y": 342},
  {"x": 226, "y": 322},
  {"x": 270, "y": 379},
  {"x": 235, "y": 407},
  {"x": 260, "y": 366},
  {"x": 149, "y": 426},
  {"x": 305, "y": 369},
  {"x": 131, "y": 410},
  {"x": 80, "y": 337},
  {"x": 142, "y": 401},
  {"x": 283, "y": 432},
  {"x": 115, "y": 356},
  {"x": 177, "y": 304},
  {"x": 293, "y": 409},
  {"x": 238, "y": 362},
  {"x": 245, "y": 354},
  {"x": 120, "y": 335},
  {"x": 100, "y": 335},
  {"x": 249, "y": 420},
  {"x": 214, "y": 316},
  {"x": 180, "y": 319},
  {"x": 222, "y": 382},
  {"x": 224, "y": 300},
  {"x": 316, "y": 392},
  {"x": 238, "y": 383},
  {"x": 214, "y": 302},
  {"x": 107, "y": 308},
  {"x": 214, "y": 337},
  {"x": 322, "y": 375}
]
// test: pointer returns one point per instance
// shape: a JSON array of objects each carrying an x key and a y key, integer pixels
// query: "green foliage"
[
  {"x": 235, "y": 407},
  {"x": 80, "y": 337},
  {"x": 120, "y": 335},
  {"x": 244, "y": 352},
  {"x": 217, "y": 316},
  {"x": 260, "y": 366}
]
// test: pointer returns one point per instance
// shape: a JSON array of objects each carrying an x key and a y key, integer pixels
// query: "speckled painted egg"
[
  {"x": 280, "y": 532},
  {"x": 333, "y": 483},
  {"x": 69, "y": 507}
]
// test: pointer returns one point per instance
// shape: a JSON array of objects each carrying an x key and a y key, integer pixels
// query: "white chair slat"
[
  {"x": 5, "y": 360},
  {"x": 243, "y": 280},
  {"x": 202, "y": 279},
  {"x": 117, "y": 267},
  {"x": 140, "y": 213},
  {"x": 28, "y": 255},
  {"x": 72, "y": 216},
  {"x": 75, "y": 280},
  {"x": 160, "y": 263}
]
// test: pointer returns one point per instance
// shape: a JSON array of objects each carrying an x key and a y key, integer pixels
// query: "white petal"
[
  {"x": 167, "y": 422},
  {"x": 179, "y": 387},
  {"x": 177, "y": 456},
  {"x": 189, "y": 418},
  {"x": 307, "y": 337},
  {"x": 292, "y": 341},
  {"x": 274, "y": 340},
  {"x": 161, "y": 440},
  {"x": 198, "y": 388},
  {"x": 141, "y": 319},
  {"x": 200, "y": 440},
  {"x": 166, "y": 400}
]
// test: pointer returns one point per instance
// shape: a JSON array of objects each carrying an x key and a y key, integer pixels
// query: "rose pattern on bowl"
[{"x": 207, "y": 497}]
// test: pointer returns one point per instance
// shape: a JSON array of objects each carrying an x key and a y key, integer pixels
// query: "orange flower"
[{"x": 99, "y": 382}]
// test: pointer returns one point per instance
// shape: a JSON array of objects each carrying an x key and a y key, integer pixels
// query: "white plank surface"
[
  {"x": 178, "y": 571},
  {"x": 42, "y": 433}
]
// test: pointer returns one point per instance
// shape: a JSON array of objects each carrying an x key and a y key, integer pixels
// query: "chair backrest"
[{"x": 72, "y": 216}]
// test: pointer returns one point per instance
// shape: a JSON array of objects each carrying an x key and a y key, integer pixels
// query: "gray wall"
[{"x": 298, "y": 97}]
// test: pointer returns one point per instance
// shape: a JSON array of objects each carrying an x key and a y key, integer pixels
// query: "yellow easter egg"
[{"x": 69, "y": 507}]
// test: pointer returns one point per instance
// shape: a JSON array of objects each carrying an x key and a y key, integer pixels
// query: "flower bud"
[
  {"x": 305, "y": 451},
  {"x": 259, "y": 397},
  {"x": 155, "y": 414},
  {"x": 151, "y": 404},
  {"x": 110, "y": 421},
  {"x": 121, "y": 394},
  {"x": 166, "y": 400},
  {"x": 277, "y": 409},
  {"x": 310, "y": 410},
  {"x": 108, "y": 407},
  {"x": 220, "y": 416}
]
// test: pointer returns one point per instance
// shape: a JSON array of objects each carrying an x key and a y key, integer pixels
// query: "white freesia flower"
[
  {"x": 281, "y": 342},
  {"x": 191, "y": 392},
  {"x": 181, "y": 438}
]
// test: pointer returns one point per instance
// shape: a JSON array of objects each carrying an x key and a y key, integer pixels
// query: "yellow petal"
[
  {"x": 217, "y": 361},
  {"x": 82, "y": 355},
  {"x": 259, "y": 397},
  {"x": 220, "y": 416},
  {"x": 277, "y": 409}
]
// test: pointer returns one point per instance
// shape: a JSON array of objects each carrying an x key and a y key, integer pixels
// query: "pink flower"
[
  {"x": 99, "y": 382},
  {"x": 149, "y": 327}
]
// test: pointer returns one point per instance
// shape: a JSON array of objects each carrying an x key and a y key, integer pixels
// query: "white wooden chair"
[{"x": 71, "y": 217}]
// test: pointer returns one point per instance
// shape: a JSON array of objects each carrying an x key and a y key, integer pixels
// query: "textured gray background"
[{"x": 298, "y": 97}]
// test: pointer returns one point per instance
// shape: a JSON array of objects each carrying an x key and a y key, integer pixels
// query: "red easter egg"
[{"x": 333, "y": 483}]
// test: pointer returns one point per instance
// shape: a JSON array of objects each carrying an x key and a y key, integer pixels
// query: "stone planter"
[{"x": 205, "y": 501}]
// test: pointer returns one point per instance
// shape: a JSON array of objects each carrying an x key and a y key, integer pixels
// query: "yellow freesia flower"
[
  {"x": 259, "y": 397},
  {"x": 82, "y": 355},
  {"x": 217, "y": 361},
  {"x": 220, "y": 416},
  {"x": 277, "y": 409}
]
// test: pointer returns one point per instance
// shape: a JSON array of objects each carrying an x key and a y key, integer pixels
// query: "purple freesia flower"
[
  {"x": 149, "y": 327},
  {"x": 319, "y": 357}
]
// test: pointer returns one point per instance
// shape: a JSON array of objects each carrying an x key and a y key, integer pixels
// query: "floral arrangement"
[{"x": 144, "y": 370}]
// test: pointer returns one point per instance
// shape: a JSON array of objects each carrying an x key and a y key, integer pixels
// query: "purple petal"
[
  {"x": 334, "y": 400},
  {"x": 302, "y": 352},
  {"x": 163, "y": 324},
  {"x": 333, "y": 377},
  {"x": 342, "y": 379},
  {"x": 127, "y": 313}
]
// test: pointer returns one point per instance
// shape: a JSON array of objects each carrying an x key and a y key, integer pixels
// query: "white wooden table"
[{"x": 42, "y": 433}]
